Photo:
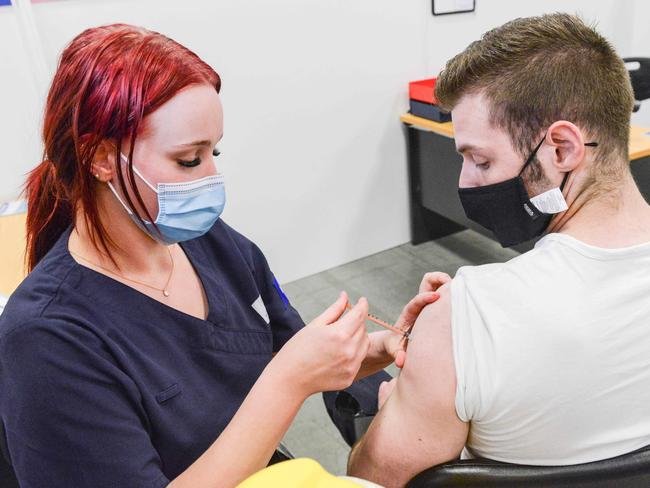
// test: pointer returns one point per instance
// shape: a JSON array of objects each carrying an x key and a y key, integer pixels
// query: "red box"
[{"x": 423, "y": 90}]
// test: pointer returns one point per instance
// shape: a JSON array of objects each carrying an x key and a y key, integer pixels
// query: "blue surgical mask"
[{"x": 185, "y": 210}]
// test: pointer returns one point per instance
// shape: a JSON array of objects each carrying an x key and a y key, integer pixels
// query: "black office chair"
[
  {"x": 628, "y": 471},
  {"x": 640, "y": 78}
]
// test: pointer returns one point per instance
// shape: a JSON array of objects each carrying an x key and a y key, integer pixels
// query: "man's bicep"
[
  {"x": 426, "y": 389},
  {"x": 417, "y": 427}
]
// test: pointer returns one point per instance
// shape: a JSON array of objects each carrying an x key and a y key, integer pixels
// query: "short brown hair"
[{"x": 537, "y": 70}]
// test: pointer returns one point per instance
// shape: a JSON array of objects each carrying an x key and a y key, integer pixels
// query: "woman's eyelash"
[
  {"x": 190, "y": 164},
  {"x": 197, "y": 161}
]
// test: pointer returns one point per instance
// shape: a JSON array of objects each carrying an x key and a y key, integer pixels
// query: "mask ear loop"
[
  {"x": 532, "y": 155},
  {"x": 137, "y": 172},
  {"x": 119, "y": 199},
  {"x": 566, "y": 176}
]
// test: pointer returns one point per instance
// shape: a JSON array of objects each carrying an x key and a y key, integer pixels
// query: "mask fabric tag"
[{"x": 550, "y": 202}]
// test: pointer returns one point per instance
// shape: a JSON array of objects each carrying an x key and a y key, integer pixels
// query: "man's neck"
[{"x": 619, "y": 218}]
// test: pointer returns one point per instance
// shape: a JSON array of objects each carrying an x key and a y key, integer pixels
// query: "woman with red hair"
[{"x": 150, "y": 342}]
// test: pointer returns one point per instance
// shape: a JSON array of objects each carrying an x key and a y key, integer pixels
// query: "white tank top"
[{"x": 552, "y": 353}]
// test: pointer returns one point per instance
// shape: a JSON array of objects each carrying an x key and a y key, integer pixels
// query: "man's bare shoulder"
[
  {"x": 436, "y": 314},
  {"x": 429, "y": 372},
  {"x": 418, "y": 426}
]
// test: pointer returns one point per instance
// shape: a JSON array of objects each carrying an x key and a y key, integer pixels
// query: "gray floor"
[{"x": 389, "y": 280}]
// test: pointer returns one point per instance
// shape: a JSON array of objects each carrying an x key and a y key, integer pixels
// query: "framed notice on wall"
[{"x": 446, "y": 7}]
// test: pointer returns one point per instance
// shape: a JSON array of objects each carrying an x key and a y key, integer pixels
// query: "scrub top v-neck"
[{"x": 102, "y": 385}]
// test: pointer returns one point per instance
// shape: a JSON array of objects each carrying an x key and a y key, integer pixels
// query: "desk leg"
[
  {"x": 425, "y": 224},
  {"x": 641, "y": 171}
]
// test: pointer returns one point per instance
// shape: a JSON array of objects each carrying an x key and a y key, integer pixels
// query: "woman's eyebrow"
[
  {"x": 195, "y": 144},
  {"x": 201, "y": 143}
]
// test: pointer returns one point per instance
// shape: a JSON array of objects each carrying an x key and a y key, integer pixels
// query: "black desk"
[{"x": 434, "y": 169}]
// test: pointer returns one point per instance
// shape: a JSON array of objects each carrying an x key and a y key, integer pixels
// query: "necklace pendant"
[{"x": 166, "y": 293}]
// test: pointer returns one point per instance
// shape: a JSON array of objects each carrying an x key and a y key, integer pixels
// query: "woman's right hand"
[{"x": 327, "y": 353}]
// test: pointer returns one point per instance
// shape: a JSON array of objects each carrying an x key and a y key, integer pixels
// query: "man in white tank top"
[{"x": 545, "y": 359}]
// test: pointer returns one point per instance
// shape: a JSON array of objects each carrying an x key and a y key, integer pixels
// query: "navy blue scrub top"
[{"x": 103, "y": 386}]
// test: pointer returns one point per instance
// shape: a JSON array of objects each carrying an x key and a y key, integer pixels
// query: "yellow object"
[
  {"x": 639, "y": 136},
  {"x": 297, "y": 473},
  {"x": 12, "y": 252}
]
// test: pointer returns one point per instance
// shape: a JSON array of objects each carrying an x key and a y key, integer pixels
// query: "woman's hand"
[
  {"x": 395, "y": 344},
  {"x": 434, "y": 280},
  {"x": 327, "y": 353},
  {"x": 324, "y": 355}
]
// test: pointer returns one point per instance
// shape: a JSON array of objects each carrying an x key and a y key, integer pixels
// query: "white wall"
[
  {"x": 639, "y": 46},
  {"x": 313, "y": 151},
  {"x": 20, "y": 108}
]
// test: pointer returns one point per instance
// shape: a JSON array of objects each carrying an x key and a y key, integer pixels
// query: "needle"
[{"x": 383, "y": 324}]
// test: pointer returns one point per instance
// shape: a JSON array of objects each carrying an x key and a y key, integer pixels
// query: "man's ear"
[
  {"x": 103, "y": 165},
  {"x": 565, "y": 145}
]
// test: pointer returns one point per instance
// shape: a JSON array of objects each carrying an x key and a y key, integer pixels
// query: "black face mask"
[{"x": 505, "y": 208}]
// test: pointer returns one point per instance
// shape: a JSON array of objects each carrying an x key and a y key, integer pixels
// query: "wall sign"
[{"x": 446, "y": 7}]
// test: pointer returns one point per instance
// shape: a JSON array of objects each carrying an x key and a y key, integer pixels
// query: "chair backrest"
[
  {"x": 640, "y": 77},
  {"x": 627, "y": 471}
]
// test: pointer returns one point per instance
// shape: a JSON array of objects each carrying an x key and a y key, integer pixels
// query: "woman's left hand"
[
  {"x": 395, "y": 344},
  {"x": 434, "y": 280}
]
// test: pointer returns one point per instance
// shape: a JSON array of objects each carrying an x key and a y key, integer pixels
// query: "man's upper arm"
[{"x": 418, "y": 426}]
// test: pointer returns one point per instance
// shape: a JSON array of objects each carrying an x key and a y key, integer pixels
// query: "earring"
[{"x": 96, "y": 176}]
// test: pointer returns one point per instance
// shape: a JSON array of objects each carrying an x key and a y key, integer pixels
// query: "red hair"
[{"x": 108, "y": 80}]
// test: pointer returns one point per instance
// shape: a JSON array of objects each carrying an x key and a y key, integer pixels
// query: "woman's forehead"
[{"x": 192, "y": 115}]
